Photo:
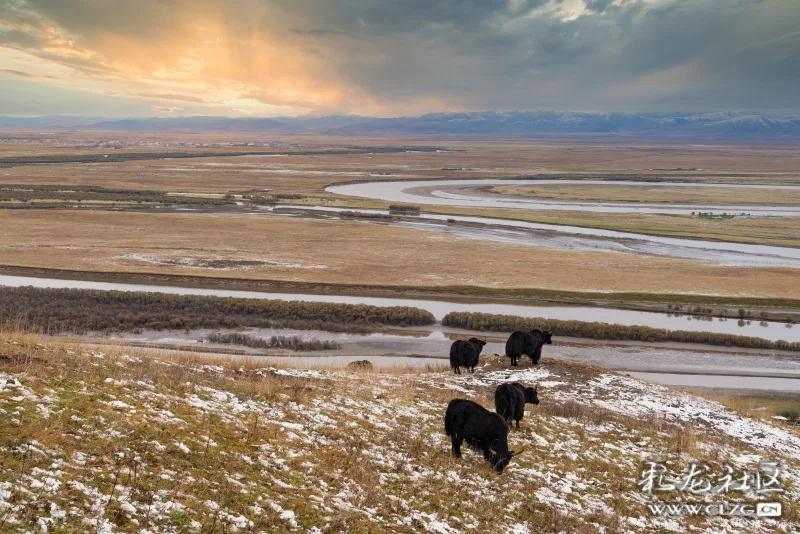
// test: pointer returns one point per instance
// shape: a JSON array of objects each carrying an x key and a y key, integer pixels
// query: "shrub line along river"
[
  {"x": 440, "y": 307},
  {"x": 692, "y": 367}
]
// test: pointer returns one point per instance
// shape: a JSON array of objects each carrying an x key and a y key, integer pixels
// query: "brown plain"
[
  {"x": 653, "y": 193},
  {"x": 360, "y": 253},
  {"x": 351, "y": 253},
  {"x": 309, "y": 174}
]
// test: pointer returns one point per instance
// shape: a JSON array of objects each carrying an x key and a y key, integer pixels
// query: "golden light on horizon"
[{"x": 290, "y": 57}]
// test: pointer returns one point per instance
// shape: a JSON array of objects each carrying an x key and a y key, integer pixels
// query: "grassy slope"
[{"x": 124, "y": 442}]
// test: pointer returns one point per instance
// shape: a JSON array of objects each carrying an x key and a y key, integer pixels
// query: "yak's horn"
[{"x": 520, "y": 452}]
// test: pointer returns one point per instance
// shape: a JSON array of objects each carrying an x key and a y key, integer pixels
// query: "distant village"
[{"x": 119, "y": 144}]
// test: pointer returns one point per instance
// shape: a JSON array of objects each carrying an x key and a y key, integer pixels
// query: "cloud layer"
[{"x": 277, "y": 57}]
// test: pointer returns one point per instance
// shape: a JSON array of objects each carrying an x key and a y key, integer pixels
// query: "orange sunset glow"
[{"x": 280, "y": 57}]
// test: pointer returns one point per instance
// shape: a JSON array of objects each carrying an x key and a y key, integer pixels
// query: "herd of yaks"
[{"x": 487, "y": 431}]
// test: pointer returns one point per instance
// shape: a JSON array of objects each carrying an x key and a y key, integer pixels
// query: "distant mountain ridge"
[
  {"x": 487, "y": 123},
  {"x": 725, "y": 125},
  {"x": 48, "y": 121},
  {"x": 201, "y": 123}
]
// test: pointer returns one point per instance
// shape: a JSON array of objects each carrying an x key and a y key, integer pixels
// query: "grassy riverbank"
[
  {"x": 722, "y": 306},
  {"x": 600, "y": 330},
  {"x": 128, "y": 440}
]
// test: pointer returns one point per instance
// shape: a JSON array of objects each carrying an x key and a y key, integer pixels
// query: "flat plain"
[
  {"x": 344, "y": 252},
  {"x": 297, "y": 169},
  {"x": 656, "y": 193}
]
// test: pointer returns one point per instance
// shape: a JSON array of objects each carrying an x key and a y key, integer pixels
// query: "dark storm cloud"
[
  {"x": 598, "y": 6},
  {"x": 524, "y": 55},
  {"x": 423, "y": 55}
]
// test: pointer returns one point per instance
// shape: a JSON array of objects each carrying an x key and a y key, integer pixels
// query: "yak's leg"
[
  {"x": 456, "y": 442},
  {"x": 487, "y": 453},
  {"x": 517, "y": 424},
  {"x": 513, "y": 362}
]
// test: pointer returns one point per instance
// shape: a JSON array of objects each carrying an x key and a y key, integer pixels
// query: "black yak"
[
  {"x": 482, "y": 429},
  {"x": 528, "y": 344},
  {"x": 510, "y": 399},
  {"x": 465, "y": 354}
]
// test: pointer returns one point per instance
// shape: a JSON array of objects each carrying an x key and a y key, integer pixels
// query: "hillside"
[{"x": 126, "y": 441}]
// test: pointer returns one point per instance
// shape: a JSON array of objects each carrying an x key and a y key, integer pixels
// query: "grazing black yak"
[
  {"x": 528, "y": 344},
  {"x": 465, "y": 354},
  {"x": 510, "y": 399},
  {"x": 482, "y": 429}
]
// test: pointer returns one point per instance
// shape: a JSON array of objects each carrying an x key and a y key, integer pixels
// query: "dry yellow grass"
[
  {"x": 492, "y": 158},
  {"x": 308, "y": 175},
  {"x": 128, "y": 441},
  {"x": 351, "y": 253},
  {"x": 783, "y": 231},
  {"x": 653, "y": 193}
]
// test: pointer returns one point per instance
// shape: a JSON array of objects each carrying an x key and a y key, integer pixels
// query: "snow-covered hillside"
[{"x": 125, "y": 442}]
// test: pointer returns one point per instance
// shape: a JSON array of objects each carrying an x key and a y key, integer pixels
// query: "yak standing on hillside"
[
  {"x": 465, "y": 354},
  {"x": 482, "y": 430},
  {"x": 510, "y": 400},
  {"x": 528, "y": 344}
]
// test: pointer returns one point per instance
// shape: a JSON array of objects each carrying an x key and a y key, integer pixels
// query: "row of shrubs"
[
  {"x": 596, "y": 330},
  {"x": 22, "y": 193},
  {"x": 404, "y": 207},
  {"x": 295, "y": 343},
  {"x": 82, "y": 310},
  {"x": 365, "y": 215}
]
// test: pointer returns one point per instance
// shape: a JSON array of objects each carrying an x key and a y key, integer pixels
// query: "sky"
[{"x": 388, "y": 58}]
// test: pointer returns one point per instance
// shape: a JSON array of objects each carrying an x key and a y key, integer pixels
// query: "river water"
[
  {"x": 435, "y": 192},
  {"x": 429, "y": 346},
  {"x": 580, "y": 238},
  {"x": 535, "y": 234},
  {"x": 440, "y": 307},
  {"x": 425, "y": 348}
]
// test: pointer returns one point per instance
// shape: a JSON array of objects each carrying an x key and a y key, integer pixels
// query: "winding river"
[
  {"x": 580, "y": 238},
  {"x": 423, "y": 347},
  {"x": 534, "y": 234},
  {"x": 435, "y": 192}
]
